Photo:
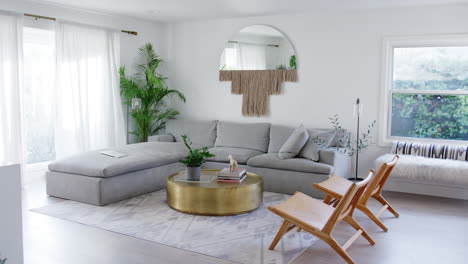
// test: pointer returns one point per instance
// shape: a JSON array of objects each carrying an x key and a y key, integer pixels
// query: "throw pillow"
[
  {"x": 311, "y": 149},
  {"x": 294, "y": 144}
]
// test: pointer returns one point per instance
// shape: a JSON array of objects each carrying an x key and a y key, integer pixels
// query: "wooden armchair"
[
  {"x": 336, "y": 187},
  {"x": 319, "y": 219}
]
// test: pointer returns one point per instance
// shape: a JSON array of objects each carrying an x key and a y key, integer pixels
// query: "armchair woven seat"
[
  {"x": 335, "y": 185},
  {"x": 306, "y": 210},
  {"x": 335, "y": 188},
  {"x": 319, "y": 219}
]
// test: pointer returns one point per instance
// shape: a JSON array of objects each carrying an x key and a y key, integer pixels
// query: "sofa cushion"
[
  {"x": 140, "y": 156},
  {"x": 278, "y": 136},
  {"x": 443, "y": 172},
  {"x": 239, "y": 154},
  {"x": 311, "y": 149},
  {"x": 294, "y": 144},
  {"x": 201, "y": 133},
  {"x": 243, "y": 135},
  {"x": 272, "y": 161},
  {"x": 161, "y": 138},
  {"x": 438, "y": 151}
]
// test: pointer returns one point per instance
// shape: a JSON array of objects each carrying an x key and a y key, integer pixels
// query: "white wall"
[
  {"x": 156, "y": 33},
  {"x": 339, "y": 59}
]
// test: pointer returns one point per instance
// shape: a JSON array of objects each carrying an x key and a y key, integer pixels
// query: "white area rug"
[{"x": 242, "y": 238}]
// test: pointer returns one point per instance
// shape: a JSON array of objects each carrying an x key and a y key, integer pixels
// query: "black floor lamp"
[{"x": 357, "y": 113}]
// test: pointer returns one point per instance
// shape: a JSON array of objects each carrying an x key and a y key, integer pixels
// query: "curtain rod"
[
  {"x": 40, "y": 17},
  {"x": 270, "y": 45},
  {"x": 54, "y": 19}
]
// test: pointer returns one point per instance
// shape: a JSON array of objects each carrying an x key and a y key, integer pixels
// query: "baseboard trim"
[{"x": 427, "y": 189}]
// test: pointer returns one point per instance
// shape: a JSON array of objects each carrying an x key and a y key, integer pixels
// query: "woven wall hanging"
[{"x": 256, "y": 86}]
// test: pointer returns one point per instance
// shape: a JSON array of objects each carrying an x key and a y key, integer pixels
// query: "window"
[{"x": 426, "y": 89}]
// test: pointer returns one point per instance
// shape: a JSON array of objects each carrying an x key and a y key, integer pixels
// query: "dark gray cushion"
[
  {"x": 140, "y": 156},
  {"x": 239, "y": 154},
  {"x": 272, "y": 161},
  {"x": 278, "y": 136},
  {"x": 311, "y": 149},
  {"x": 243, "y": 135},
  {"x": 294, "y": 144},
  {"x": 201, "y": 133}
]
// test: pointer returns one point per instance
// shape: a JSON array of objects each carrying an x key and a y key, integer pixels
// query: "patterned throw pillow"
[{"x": 438, "y": 151}]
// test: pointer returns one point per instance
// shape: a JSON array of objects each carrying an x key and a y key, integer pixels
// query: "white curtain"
[
  {"x": 88, "y": 104},
  {"x": 252, "y": 57},
  {"x": 244, "y": 56},
  {"x": 11, "y": 147}
]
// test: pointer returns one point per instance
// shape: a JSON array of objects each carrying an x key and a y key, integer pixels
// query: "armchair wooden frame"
[
  {"x": 334, "y": 186},
  {"x": 302, "y": 211}
]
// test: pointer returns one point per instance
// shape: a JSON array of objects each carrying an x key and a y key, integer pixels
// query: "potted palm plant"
[
  {"x": 195, "y": 159},
  {"x": 147, "y": 94}
]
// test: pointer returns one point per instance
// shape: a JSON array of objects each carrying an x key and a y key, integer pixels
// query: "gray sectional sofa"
[{"x": 98, "y": 179}]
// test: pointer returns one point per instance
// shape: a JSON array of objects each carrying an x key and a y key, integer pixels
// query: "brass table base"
[{"x": 215, "y": 198}]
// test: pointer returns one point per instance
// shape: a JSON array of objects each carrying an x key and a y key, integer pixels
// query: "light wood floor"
[{"x": 430, "y": 230}]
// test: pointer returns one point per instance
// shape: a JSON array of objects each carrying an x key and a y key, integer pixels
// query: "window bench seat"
[{"x": 428, "y": 176}]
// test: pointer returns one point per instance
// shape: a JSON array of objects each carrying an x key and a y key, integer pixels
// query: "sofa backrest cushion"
[
  {"x": 243, "y": 135},
  {"x": 294, "y": 144},
  {"x": 338, "y": 135},
  {"x": 201, "y": 133},
  {"x": 312, "y": 148}
]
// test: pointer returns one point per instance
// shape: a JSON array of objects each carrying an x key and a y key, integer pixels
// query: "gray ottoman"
[{"x": 98, "y": 179}]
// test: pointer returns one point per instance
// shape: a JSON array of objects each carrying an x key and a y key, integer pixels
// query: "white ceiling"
[{"x": 182, "y": 10}]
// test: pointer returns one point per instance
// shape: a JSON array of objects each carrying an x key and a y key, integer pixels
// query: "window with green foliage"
[{"x": 428, "y": 97}]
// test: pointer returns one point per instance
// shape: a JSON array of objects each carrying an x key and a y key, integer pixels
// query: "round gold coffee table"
[{"x": 214, "y": 198}]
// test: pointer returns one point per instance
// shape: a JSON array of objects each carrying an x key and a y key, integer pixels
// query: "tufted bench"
[{"x": 430, "y": 169}]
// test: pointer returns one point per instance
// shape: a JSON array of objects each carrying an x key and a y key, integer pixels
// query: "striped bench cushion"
[{"x": 438, "y": 151}]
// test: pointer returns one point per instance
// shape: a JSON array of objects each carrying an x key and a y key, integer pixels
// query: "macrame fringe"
[
  {"x": 225, "y": 75},
  {"x": 256, "y": 86}
]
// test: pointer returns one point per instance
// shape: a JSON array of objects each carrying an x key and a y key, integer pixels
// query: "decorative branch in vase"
[{"x": 352, "y": 147}]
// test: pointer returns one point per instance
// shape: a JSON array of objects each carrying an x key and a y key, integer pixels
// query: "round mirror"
[{"x": 258, "y": 47}]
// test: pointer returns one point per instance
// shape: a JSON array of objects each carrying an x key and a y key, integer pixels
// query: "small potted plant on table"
[{"x": 195, "y": 159}]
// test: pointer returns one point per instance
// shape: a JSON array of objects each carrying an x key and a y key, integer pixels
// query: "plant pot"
[{"x": 193, "y": 173}]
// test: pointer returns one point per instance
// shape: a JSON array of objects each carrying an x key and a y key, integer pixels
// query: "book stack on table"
[{"x": 225, "y": 175}]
